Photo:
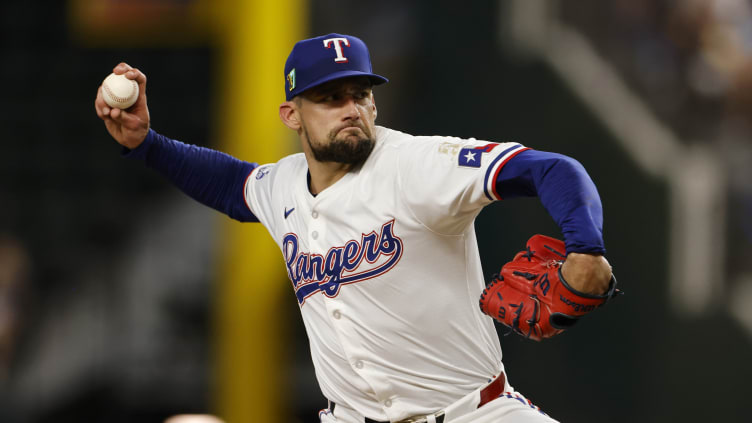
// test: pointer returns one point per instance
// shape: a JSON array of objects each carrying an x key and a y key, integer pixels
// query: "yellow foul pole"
[{"x": 255, "y": 38}]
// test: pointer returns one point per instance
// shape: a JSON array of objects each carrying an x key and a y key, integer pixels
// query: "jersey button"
[
  {"x": 314, "y": 235},
  {"x": 358, "y": 364},
  {"x": 337, "y": 314},
  {"x": 388, "y": 403},
  {"x": 315, "y": 215}
]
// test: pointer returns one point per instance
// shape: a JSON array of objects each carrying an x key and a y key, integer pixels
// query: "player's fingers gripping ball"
[{"x": 531, "y": 297}]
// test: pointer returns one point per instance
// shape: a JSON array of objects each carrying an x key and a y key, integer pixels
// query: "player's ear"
[{"x": 289, "y": 114}]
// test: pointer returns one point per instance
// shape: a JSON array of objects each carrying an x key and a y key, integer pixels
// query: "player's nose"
[{"x": 351, "y": 110}]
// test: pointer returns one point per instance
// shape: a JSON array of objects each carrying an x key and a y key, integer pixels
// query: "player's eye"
[{"x": 332, "y": 97}]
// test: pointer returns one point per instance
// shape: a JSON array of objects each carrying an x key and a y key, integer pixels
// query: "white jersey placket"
[{"x": 338, "y": 311}]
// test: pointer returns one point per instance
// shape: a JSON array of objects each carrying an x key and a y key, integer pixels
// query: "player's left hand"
[
  {"x": 534, "y": 297},
  {"x": 588, "y": 273}
]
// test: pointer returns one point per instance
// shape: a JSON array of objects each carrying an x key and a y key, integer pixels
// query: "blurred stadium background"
[{"x": 121, "y": 300}]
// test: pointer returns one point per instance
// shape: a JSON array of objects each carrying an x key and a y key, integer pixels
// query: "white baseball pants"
[{"x": 509, "y": 407}]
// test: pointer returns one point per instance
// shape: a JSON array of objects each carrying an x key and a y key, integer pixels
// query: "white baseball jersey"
[{"x": 386, "y": 270}]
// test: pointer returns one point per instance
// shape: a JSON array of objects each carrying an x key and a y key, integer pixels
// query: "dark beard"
[{"x": 342, "y": 151}]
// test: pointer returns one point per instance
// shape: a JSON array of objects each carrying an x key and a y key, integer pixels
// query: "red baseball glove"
[{"x": 531, "y": 297}]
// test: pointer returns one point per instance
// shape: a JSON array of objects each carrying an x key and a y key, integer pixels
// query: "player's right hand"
[{"x": 128, "y": 127}]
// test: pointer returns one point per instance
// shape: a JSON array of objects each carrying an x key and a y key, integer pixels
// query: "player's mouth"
[
  {"x": 349, "y": 130},
  {"x": 350, "y": 127}
]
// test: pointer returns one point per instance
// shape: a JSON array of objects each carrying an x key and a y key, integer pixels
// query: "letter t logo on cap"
[{"x": 337, "y": 47}]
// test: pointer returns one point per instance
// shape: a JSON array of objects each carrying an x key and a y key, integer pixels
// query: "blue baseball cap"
[{"x": 315, "y": 61}]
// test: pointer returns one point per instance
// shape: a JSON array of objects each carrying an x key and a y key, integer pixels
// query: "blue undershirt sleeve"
[
  {"x": 210, "y": 177},
  {"x": 566, "y": 191}
]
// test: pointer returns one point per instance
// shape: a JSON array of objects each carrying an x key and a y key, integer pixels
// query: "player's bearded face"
[
  {"x": 344, "y": 144},
  {"x": 338, "y": 121}
]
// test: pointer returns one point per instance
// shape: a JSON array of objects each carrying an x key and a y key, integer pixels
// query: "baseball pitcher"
[{"x": 375, "y": 227}]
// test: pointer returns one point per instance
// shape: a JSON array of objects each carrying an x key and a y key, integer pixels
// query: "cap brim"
[{"x": 375, "y": 79}]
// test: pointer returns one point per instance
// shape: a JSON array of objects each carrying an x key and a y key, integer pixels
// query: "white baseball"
[{"x": 119, "y": 91}]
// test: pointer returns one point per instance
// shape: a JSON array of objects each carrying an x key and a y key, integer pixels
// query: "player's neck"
[{"x": 324, "y": 174}]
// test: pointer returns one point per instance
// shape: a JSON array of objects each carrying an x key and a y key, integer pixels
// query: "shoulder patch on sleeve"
[
  {"x": 257, "y": 188},
  {"x": 263, "y": 171},
  {"x": 449, "y": 148},
  {"x": 472, "y": 156}
]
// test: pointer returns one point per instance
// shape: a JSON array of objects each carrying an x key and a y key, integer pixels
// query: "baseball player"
[{"x": 376, "y": 231}]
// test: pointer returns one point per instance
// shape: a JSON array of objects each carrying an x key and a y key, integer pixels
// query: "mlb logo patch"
[{"x": 469, "y": 157}]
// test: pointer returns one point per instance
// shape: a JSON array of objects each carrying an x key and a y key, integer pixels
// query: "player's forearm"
[
  {"x": 208, "y": 176},
  {"x": 564, "y": 189}
]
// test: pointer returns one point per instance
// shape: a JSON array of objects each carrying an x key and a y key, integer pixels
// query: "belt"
[
  {"x": 439, "y": 419},
  {"x": 492, "y": 390},
  {"x": 487, "y": 394}
]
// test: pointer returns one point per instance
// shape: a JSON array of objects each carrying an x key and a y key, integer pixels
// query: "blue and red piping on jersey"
[{"x": 492, "y": 173}]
